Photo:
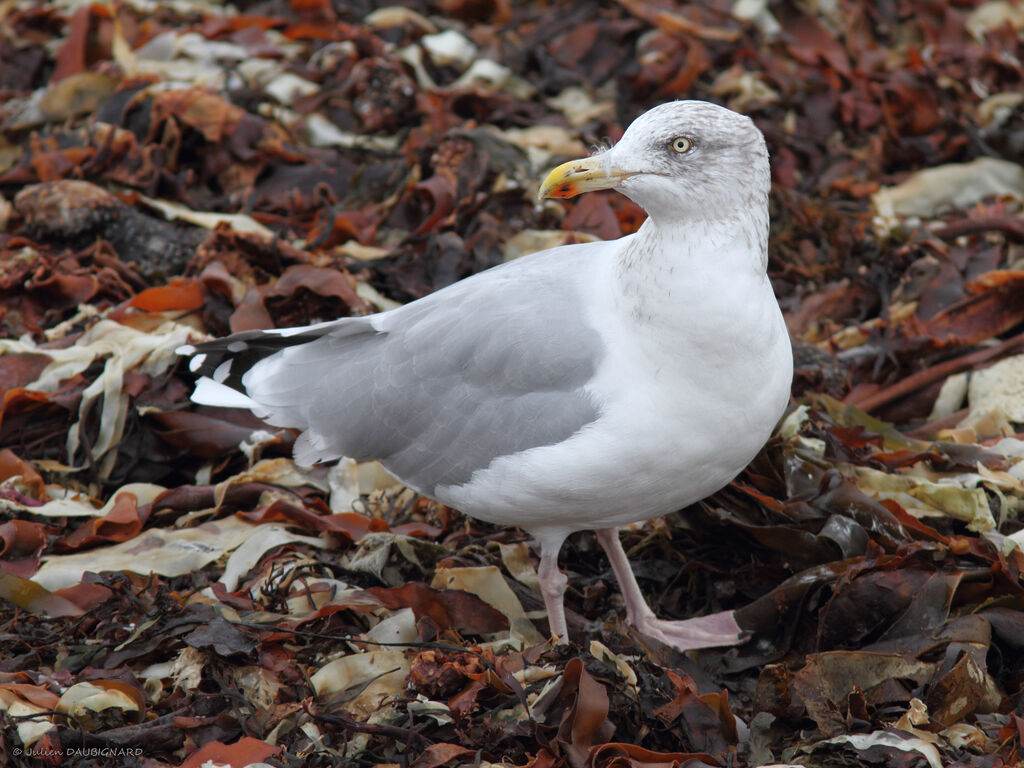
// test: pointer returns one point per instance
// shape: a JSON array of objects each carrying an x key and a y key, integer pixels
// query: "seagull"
[{"x": 583, "y": 387}]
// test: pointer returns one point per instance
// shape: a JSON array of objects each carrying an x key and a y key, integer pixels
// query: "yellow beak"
[{"x": 579, "y": 176}]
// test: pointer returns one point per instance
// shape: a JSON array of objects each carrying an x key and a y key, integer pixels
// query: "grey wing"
[{"x": 438, "y": 388}]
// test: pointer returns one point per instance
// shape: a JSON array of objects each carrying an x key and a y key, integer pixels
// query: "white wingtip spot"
[
  {"x": 237, "y": 346},
  {"x": 222, "y": 372},
  {"x": 185, "y": 349},
  {"x": 210, "y": 392},
  {"x": 196, "y": 362}
]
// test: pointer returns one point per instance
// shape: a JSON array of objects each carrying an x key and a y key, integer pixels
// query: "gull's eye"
[{"x": 681, "y": 144}]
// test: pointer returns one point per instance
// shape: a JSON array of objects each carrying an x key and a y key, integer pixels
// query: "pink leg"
[
  {"x": 552, "y": 587},
  {"x": 703, "y": 632}
]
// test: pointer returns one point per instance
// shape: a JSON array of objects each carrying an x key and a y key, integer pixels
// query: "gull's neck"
[
  {"x": 674, "y": 250},
  {"x": 690, "y": 290}
]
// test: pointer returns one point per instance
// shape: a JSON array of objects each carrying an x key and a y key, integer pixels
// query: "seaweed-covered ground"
[{"x": 176, "y": 592}]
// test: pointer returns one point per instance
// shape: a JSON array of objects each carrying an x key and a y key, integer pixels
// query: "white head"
[{"x": 680, "y": 161}]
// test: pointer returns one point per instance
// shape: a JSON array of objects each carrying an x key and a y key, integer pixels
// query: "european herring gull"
[{"x": 583, "y": 387}]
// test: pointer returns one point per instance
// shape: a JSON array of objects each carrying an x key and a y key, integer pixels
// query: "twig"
[
  {"x": 921, "y": 379},
  {"x": 1009, "y": 226},
  {"x": 405, "y": 735}
]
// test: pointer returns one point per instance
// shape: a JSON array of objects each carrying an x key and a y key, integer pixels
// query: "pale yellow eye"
[{"x": 682, "y": 144}]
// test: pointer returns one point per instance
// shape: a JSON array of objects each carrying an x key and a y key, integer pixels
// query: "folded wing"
[{"x": 436, "y": 389}]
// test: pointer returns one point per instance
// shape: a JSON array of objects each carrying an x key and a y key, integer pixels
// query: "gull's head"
[{"x": 680, "y": 160}]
